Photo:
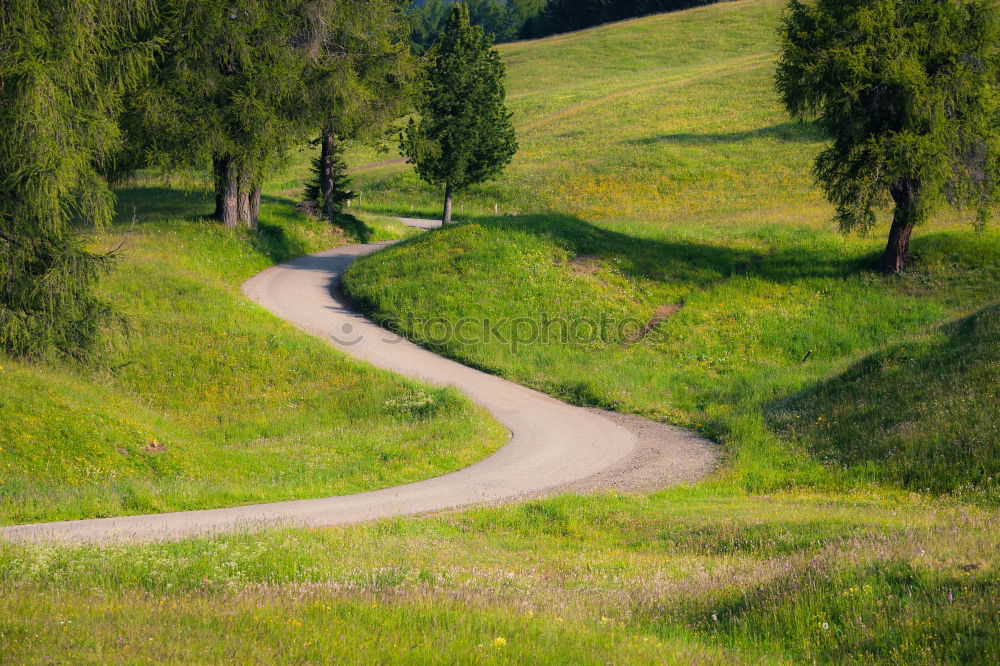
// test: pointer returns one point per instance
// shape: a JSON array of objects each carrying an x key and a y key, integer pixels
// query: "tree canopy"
[
  {"x": 241, "y": 85},
  {"x": 228, "y": 88},
  {"x": 94, "y": 89},
  {"x": 463, "y": 134},
  {"x": 358, "y": 76},
  {"x": 909, "y": 94}
]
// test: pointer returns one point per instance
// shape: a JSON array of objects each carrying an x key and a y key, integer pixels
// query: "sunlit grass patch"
[
  {"x": 660, "y": 181},
  {"x": 682, "y": 575}
]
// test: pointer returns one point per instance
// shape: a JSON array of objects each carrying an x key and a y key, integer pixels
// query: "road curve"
[{"x": 552, "y": 444}]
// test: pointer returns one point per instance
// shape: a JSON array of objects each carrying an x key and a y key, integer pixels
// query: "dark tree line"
[
  {"x": 567, "y": 15},
  {"x": 503, "y": 19},
  {"x": 507, "y": 20}
]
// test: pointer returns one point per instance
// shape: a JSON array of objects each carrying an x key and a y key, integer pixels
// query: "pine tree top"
[{"x": 464, "y": 134}]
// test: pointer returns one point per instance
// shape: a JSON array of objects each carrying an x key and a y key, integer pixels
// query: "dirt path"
[{"x": 553, "y": 445}]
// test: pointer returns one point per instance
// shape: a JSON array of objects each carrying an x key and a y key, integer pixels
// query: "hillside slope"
[
  {"x": 660, "y": 122},
  {"x": 921, "y": 414}
]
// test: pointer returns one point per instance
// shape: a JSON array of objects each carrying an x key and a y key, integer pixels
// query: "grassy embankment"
[
  {"x": 211, "y": 401},
  {"x": 676, "y": 177}
]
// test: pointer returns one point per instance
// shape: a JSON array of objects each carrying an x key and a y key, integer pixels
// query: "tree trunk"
[
  {"x": 218, "y": 172},
  {"x": 327, "y": 151},
  {"x": 447, "y": 204},
  {"x": 254, "y": 205},
  {"x": 226, "y": 192},
  {"x": 243, "y": 197},
  {"x": 904, "y": 218}
]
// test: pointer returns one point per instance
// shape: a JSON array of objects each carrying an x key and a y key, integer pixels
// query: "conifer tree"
[
  {"x": 330, "y": 187},
  {"x": 357, "y": 79},
  {"x": 909, "y": 93},
  {"x": 65, "y": 67},
  {"x": 463, "y": 135}
]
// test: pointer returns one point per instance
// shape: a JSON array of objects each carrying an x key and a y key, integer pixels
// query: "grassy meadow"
[
  {"x": 686, "y": 576},
  {"x": 645, "y": 125},
  {"x": 854, "y": 518}
]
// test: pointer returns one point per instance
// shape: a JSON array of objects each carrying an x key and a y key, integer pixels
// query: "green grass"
[
  {"x": 656, "y": 168},
  {"x": 921, "y": 414},
  {"x": 657, "y": 123},
  {"x": 210, "y": 401},
  {"x": 671, "y": 179},
  {"x": 680, "y": 576},
  {"x": 758, "y": 323}
]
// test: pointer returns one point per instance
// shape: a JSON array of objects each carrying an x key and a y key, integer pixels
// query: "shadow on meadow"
[
  {"x": 274, "y": 241},
  {"x": 788, "y": 257},
  {"x": 789, "y": 132},
  {"x": 156, "y": 204},
  {"x": 945, "y": 265},
  {"x": 150, "y": 205},
  {"x": 920, "y": 415},
  {"x": 275, "y": 235},
  {"x": 876, "y": 611}
]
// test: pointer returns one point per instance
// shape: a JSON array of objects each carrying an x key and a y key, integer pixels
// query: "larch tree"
[
  {"x": 463, "y": 134},
  {"x": 65, "y": 68},
  {"x": 357, "y": 78},
  {"x": 229, "y": 89},
  {"x": 909, "y": 94}
]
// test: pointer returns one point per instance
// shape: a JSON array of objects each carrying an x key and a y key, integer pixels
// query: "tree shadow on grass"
[
  {"x": 156, "y": 204},
  {"x": 702, "y": 264},
  {"x": 274, "y": 241},
  {"x": 773, "y": 607},
  {"x": 146, "y": 205},
  {"x": 159, "y": 203},
  {"x": 790, "y": 132}
]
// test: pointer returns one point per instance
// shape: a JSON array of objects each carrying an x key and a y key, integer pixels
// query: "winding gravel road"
[{"x": 553, "y": 445}]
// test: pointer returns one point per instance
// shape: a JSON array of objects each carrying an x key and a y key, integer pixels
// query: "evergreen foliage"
[
  {"x": 241, "y": 85},
  {"x": 359, "y": 68},
  {"x": 228, "y": 89},
  {"x": 64, "y": 70},
  {"x": 909, "y": 93},
  {"x": 357, "y": 76},
  {"x": 464, "y": 134}
]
